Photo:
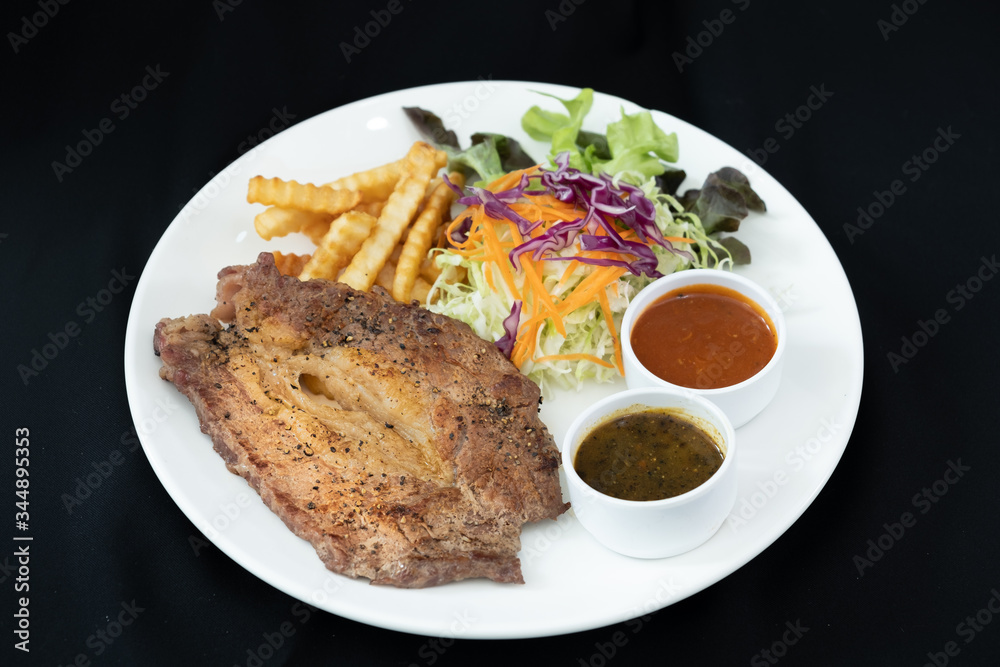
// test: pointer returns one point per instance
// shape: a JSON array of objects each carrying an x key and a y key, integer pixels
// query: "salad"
[{"x": 545, "y": 257}]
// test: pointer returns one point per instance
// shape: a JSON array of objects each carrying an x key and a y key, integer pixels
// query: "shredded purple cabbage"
[
  {"x": 645, "y": 260},
  {"x": 506, "y": 342},
  {"x": 607, "y": 204},
  {"x": 460, "y": 234},
  {"x": 558, "y": 237},
  {"x": 457, "y": 190},
  {"x": 497, "y": 208}
]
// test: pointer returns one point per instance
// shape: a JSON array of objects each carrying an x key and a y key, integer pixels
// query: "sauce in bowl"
[
  {"x": 648, "y": 455},
  {"x": 704, "y": 337}
]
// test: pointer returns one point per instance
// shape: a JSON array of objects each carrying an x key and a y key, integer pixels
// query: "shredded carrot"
[
  {"x": 587, "y": 289},
  {"x": 490, "y": 241},
  {"x": 520, "y": 342},
  {"x": 542, "y": 295},
  {"x": 538, "y": 289},
  {"x": 570, "y": 268},
  {"x": 610, "y": 321},
  {"x": 497, "y": 256},
  {"x": 508, "y": 181},
  {"x": 529, "y": 339}
]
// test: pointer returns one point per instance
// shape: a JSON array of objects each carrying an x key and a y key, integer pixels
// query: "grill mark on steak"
[{"x": 406, "y": 449}]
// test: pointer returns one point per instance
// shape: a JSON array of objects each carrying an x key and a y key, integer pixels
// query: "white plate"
[{"x": 572, "y": 583}]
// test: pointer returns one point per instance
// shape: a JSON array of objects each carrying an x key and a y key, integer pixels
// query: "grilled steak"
[{"x": 402, "y": 446}]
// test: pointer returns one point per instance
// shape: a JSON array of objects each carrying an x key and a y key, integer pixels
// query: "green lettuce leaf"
[
  {"x": 561, "y": 129},
  {"x": 596, "y": 141},
  {"x": 480, "y": 159},
  {"x": 638, "y": 145},
  {"x": 540, "y": 124},
  {"x": 543, "y": 125},
  {"x": 632, "y": 144},
  {"x": 512, "y": 156}
]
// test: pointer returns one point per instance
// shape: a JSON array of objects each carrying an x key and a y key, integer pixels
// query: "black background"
[{"x": 230, "y": 65}]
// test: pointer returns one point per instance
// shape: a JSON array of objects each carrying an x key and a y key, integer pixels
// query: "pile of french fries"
[{"x": 374, "y": 227}]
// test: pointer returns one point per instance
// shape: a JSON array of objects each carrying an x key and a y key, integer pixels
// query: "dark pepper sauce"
[{"x": 648, "y": 455}]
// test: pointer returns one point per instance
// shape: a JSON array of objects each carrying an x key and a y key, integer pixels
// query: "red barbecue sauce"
[{"x": 704, "y": 337}]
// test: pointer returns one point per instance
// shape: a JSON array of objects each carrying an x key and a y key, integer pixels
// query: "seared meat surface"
[{"x": 402, "y": 446}]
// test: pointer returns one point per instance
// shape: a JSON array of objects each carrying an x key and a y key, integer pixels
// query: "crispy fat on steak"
[{"x": 401, "y": 445}]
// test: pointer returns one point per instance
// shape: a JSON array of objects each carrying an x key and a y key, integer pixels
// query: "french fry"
[
  {"x": 423, "y": 161},
  {"x": 318, "y": 229},
  {"x": 277, "y": 221},
  {"x": 421, "y": 290},
  {"x": 371, "y": 207},
  {"x": 306, "y": 196},
  {"x": 385, "y": 276},
  {"x": 394, "y": 256},
  {"x": 340, "y": 243},
  {"x": 373, "y": 184},
  {"x": 421, "y": 236},
  {"x": 289, "y": 264},
  {"x": 429, "y": 270}
]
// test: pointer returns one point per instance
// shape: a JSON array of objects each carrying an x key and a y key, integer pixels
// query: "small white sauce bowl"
[
  {"x": 742, "y": 401},
  {"x": 654, "y": 528}
]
